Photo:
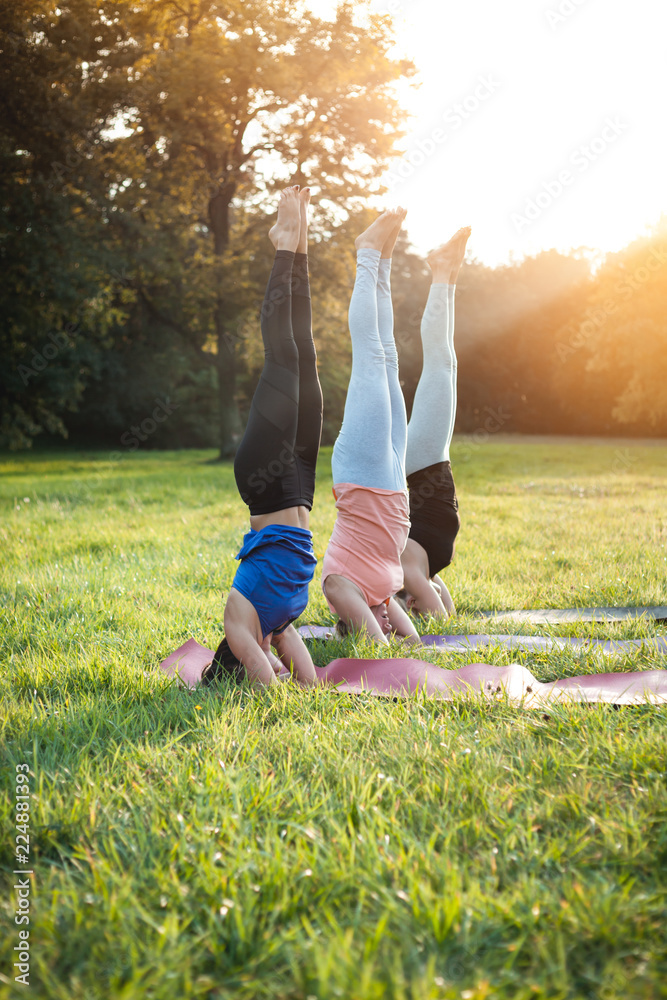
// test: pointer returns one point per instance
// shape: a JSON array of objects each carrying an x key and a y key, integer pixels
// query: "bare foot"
[
  {"x": 379, "y": 231},
  {"x": 284, "y": 234},
  {"x": 445, "y": 262},
  {"x": 390, "y": 242},
  {"x": 304, "y": 200}
]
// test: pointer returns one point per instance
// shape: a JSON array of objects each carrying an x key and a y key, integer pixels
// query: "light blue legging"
[
  {"x": 434, "y": 409},
  {"x": 370, "y": 448}
]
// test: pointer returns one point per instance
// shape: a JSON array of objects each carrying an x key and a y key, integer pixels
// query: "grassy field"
[{"x": 304, "y": 844}]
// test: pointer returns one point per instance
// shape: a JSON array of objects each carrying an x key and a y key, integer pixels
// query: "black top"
[{"x": 434, "y": 513}]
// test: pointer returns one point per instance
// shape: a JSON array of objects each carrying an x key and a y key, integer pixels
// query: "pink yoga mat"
[
  {"x": 188, "y": 662},
  {"x": 405, "y": 676},
  {"x": 400, "y": 677}
]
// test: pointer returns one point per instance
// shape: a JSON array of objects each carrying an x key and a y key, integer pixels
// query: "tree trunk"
[
  {"x": 218, "y": 212},
  {"x": 229, "y": 411}
]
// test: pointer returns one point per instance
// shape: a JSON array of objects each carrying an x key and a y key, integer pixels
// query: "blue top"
[{"x": 277, "y": 564}]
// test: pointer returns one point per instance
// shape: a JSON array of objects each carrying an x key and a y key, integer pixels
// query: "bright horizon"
[{"x": 557, "y": 103}]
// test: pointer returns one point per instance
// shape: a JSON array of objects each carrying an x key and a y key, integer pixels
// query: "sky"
[{"x": 540, "y": 123}]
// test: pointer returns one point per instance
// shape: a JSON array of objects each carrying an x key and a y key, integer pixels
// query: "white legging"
[
  {"x": 434, "y": 409},
  {"x": 370, "y": 447}
]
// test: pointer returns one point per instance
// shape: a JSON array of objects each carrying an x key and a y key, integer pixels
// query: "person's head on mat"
[
  {"x": 381, "y": 614},
  {"x": 277, "y": 563}
]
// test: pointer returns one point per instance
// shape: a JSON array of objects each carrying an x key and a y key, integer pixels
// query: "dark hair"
[
  {"x": 401, "y": 599},
  {"x": 224, "y": 664},
  {"x": 343, "y": 630}
]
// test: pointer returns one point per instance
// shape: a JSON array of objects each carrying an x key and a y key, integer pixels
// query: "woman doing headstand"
[
  {"x": 275, "y": 473},
  {"x": 361, "y": 569},
  {"x": 434, "y": 515}
]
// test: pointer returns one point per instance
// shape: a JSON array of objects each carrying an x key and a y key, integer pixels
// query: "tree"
[
  {"x": 231, "y": 101},
  {"x": 622, "y": 332},
  {"x": 55, "y": 287},
  {"x": 146, "y": 140}
]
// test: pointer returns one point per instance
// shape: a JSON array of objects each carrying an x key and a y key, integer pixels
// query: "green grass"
[{"x": 303, "y": 844}]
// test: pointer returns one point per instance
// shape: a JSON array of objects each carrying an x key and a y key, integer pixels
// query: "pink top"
[{"x": 369, "y": 535}]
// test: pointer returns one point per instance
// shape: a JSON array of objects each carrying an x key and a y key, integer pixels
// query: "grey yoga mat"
[
  {"x": 524, "y": 643},
  {"x": 554, "y": 616},
  {"x": 538, "y": 643}
]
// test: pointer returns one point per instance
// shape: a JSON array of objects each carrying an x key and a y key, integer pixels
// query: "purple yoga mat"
[
  {"x": 524, "y": 643},
  {"x": 555, "y": 616},
  {"x": 317, "y": 631},
  {"x": 530, "y": 643},
  {"x": 405, "y": 676}
]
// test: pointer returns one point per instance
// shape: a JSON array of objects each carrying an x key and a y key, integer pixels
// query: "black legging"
[{"x": 275, "y": 462}]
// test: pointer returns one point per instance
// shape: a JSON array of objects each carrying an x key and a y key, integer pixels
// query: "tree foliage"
[
  {"x": 55, "y": 295},
  {"x": 619, "y": 336},
  {"x": 174, "y": 123}
]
